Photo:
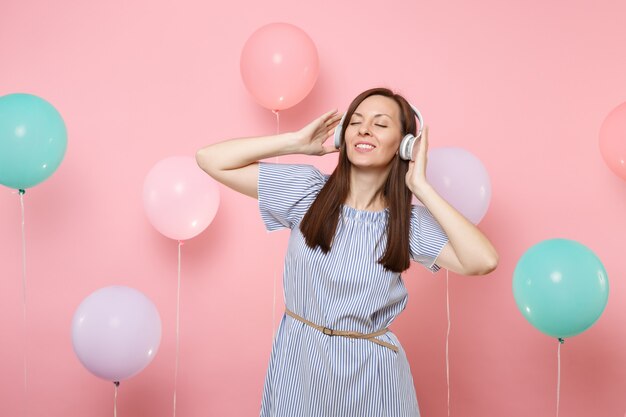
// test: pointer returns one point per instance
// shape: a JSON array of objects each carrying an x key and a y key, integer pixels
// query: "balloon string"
[
  {"x": 180, "y": 243},
  {"x": 23, "y": 254},
  {"x": 22, "y": 192},
  {"x": 117, "y": 384},
  {"x": 558, "y": 376},
  {"x": 447, "y": 338},
  {"x": 276, "y": 160},
  {"x": 277, "y": 113}
]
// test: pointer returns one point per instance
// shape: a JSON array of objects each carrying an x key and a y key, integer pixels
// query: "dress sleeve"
[
  {"x": 426, "y": 238},
  {"x": 286, "y": 192}
]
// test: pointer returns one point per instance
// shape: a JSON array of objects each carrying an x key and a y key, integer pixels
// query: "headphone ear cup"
[
  {"x": 338, "y": 130},
  {"x": 406, "y": 147}
]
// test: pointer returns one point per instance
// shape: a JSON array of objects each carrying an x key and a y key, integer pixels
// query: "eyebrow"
[{"x": 376, "y": 115}]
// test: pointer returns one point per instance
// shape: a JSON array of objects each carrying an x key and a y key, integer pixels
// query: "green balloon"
[
  {"x": 561, "y": 287},
  {"x": 33, "y": 140}
]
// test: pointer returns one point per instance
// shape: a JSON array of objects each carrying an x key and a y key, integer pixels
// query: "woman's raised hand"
[{"x": 311, "y": 137}]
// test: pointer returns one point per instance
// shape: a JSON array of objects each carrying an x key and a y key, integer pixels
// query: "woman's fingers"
[{"x": 422, "y": 146}]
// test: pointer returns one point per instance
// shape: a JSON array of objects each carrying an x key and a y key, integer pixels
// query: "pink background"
[{"x": 523, "y": 85}]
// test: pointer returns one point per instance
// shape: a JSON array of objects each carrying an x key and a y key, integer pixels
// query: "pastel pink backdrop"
[{"x": 524, "y": 86}]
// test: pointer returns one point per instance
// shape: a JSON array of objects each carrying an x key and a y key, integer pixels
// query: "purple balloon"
[
  {"x": 461, "y": 179},
  {"x": 116, "y": 332}
]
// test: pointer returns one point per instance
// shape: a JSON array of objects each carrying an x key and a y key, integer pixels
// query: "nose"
[{"x": 364, "y": 129}]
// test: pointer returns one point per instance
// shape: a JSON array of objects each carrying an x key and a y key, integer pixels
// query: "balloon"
[
  {"x": 116, "y": 332},
  {"x": 180, "y": 200},
  {"x": 461, "y": 179},
  {"x": 279, "y": 65},
  {"x": 613, "y": 140},
  {"x": 33, "y": 140},
  {"x": 561, "y": 287}
]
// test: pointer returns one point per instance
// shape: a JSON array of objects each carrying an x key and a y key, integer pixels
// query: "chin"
[{"x": 368, "y": 161}]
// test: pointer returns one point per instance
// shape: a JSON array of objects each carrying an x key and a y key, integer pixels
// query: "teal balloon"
[
  {"x": 33, "y": 140},
  {"x": 561, "y": 287}
]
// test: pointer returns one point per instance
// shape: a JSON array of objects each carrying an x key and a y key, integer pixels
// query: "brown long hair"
[{"x": 320, "y": 222}]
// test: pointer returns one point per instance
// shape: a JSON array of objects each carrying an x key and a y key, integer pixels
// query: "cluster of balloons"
[
  {"x": 461, "y": 179},
  {"x": 613, "y": 140},
  {"x": 279, "y": 65},
  {"x": 116, "y": 331},
  {"x": 33, "y": 140},
  {"x": 561, "y": 287}
]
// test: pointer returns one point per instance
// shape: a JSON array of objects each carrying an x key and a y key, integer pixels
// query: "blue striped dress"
[{"x": 314, "y": 375}]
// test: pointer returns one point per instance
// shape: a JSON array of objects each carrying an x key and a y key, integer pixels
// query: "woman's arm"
[
  {"x": 234, "y": 162},
  {"x": 468, "y": 250}
]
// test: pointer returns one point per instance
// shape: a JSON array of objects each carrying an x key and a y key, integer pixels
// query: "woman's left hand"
[{"x": 416, "y": 175}]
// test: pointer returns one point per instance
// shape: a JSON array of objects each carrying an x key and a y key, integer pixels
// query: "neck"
[{"x": 366, "y": 189}]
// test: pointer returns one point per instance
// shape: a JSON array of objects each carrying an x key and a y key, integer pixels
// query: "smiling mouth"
[{"x": 364, "y": 146}]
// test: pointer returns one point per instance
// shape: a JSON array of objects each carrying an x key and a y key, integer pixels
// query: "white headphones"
[{"x": 406, "y": 146}]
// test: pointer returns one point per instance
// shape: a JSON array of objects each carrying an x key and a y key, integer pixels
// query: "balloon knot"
[
  {"x": 117, "y": 383},
  {"x": 561, "y": 340},
  {"x": 181, "y": 243},
  {"x": 22, "y": 192},
  {"x": 275, "y": 112}
]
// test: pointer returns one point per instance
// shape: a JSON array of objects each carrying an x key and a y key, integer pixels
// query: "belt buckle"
[{"x": 327, "y": 331}]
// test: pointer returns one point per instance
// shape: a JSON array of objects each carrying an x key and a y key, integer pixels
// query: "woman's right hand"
[
  {"x": 234, "y": 162},
  {"x": 311, "y": 137}
]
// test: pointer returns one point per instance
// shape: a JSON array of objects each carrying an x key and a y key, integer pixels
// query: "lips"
[{"x": 364, "y": 147}]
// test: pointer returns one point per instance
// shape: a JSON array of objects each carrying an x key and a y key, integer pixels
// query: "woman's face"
[{"x": 374, "y": 132}]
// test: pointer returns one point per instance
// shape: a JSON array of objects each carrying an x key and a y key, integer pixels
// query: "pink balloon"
[
  {"x": 613, "y": 140},
  {"x": 180, "y": 200},
  {"x": 461, "y": 179},
  {"x": 279, "y": 65},
  {"x": 116, "y": 332}
]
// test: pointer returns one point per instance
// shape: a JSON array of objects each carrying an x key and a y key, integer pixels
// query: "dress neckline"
[{"x": 364, "y": 215}]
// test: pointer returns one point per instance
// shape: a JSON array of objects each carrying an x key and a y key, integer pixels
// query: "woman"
[{"x": 353, "y": 233}]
